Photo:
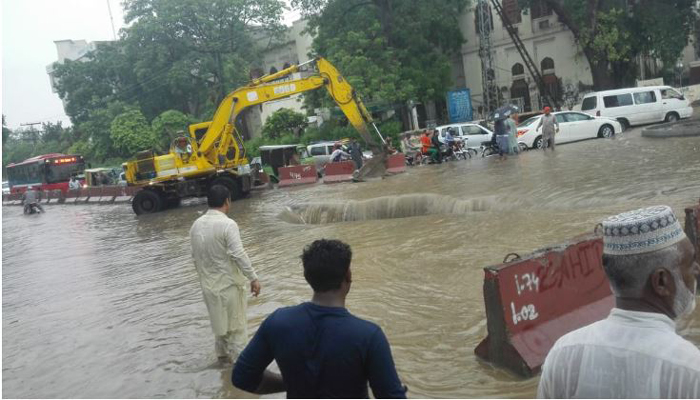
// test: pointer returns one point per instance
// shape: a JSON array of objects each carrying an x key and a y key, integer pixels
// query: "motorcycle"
[{"x": 32, "y": 208}]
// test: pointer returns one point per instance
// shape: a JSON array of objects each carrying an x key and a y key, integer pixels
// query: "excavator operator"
[{"x": 183, "y": 148}]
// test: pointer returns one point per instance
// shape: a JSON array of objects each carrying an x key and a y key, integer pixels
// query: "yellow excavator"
[{"x": 213, "y": 153}]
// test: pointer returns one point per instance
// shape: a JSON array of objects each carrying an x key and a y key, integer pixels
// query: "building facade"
[
  {"x": 552, "y": 47},
  {"x": 73, "y": 50}
]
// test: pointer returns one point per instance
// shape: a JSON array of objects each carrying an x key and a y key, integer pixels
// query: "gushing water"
[{"x": 387, "y": 207}]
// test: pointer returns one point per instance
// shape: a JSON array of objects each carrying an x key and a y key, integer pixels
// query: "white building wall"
[
  {"x": 554, "y": 41},
  {"x": 294, "y": 50}
]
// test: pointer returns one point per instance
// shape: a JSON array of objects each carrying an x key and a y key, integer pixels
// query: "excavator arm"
[{"x": 220, "y": 131}]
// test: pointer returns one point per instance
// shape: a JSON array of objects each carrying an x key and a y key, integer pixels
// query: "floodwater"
[{"x": 99, "y": 303}]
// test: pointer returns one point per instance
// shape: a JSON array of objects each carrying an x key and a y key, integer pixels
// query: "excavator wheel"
[
  {"x": 147, "y": 202},
  {"x": 231, "y": 184}
]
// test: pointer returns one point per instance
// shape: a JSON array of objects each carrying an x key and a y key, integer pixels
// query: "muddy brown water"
[{"x": 99, "y": 303}]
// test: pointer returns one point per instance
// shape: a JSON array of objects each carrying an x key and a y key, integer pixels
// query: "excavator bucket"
[{"x": 375, "y": 167}]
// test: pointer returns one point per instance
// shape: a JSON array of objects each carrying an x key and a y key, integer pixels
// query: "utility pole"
[
  {"x": 33, "y": 138},
  {"x": 488, "y": 72},
  {"x": 111, "y": 20}
]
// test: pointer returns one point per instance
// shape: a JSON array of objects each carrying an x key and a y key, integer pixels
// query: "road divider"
[
  {"x": 297, "y": 175},
  {"x": 396, "y": 163},
  {"x": 533, "y": 301},
  {"x": 339, "y": 172}
]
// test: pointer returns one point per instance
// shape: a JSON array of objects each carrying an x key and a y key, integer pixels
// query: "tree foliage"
[
  {"x": 169, "y": 125},
  {"x": 174, "y": 62},
  {"x": 390, "y": 51},
  {"x": 284, "y": 122},
  {"x": 131, "y": 133},
  {"x": 612, "y": 33}
]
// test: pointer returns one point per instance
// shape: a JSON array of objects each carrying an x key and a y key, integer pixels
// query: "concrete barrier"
[
  {"x": 83, "y": 196},
  {"x": 55, "y": 196},
  {"x": 396, "y": 163},
  {"x": 125, "y": 194},
  {"x": 72, "y": 195},
  {"x": 108, "y": 194},
  {"x": 339, "y": 172},
  {"x": 297, "y": 175},
  {"x": 533, "y": 301},
  {"x": 692, "y": 227},
  {"x": 685, "y": 128}
]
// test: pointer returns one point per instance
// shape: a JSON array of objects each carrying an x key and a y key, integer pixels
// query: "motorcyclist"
[
  {"x": 31, "y": 199},
  {"x": 450, "y": 140},
  {"x": 435, "y": 140}
]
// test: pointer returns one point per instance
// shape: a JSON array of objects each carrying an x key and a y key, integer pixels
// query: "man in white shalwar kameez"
[
  {"x": 635, "y": 352},
  {"x": 224, "y": 269}
]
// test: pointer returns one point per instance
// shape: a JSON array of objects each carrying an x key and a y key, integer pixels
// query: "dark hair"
[
  {"x": 326, "y": 263},
  {"x": 217, "y": 196}
]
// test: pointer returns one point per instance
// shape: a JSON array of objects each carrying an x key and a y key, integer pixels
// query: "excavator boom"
[{"x": 270, "y": 87}]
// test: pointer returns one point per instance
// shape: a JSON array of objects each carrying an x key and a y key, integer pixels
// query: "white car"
[
  {"x": 470, "y": 133},
  {"x": 573, "y": 126},
  {"x": 5, "y": 187}
]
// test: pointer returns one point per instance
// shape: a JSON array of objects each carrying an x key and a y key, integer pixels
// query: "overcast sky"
[{"x": 29, "y": 28}]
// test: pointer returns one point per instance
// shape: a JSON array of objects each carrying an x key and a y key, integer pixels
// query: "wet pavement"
[{"x": 100, "y": 303}]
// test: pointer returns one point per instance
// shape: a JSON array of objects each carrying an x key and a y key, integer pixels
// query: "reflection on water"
[{"x": 99, "y": 303}]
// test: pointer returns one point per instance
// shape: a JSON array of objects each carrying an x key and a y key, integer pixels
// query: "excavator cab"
[{"x": 182, "y": 147}]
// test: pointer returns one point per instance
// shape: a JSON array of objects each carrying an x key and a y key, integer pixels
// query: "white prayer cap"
[{"x": 641, "y": 231}]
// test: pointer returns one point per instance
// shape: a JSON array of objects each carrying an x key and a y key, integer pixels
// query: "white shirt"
[
  {"x": 222, "y": 265},
  {"x": 630, "y": 354},
  {"x": 343, "y": 155}
]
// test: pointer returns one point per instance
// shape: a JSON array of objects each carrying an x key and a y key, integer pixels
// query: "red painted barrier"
[
  {"x": 339, "y": 172},
  {"x": 396, "y": 163},
  {"x": 55, "y": 196},
  {"x": 692, "y": 227},
  {"x": 109, "y": 193},
  {"x": 297, "y": 175},
  {"x": 532, "y": 302}
]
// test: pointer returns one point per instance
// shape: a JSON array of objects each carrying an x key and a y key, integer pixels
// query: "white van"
[{"x": 639, "y": 105}]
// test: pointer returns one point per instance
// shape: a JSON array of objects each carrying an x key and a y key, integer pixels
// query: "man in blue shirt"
[{"x": 321, "y": 349}]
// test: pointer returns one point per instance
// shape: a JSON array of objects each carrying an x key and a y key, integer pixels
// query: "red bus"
[{"x": 45, "y": 172}]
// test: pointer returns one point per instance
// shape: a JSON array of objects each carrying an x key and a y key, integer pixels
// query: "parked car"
[
  {"x": 472, "y": 134},
  {"x": 321, "y": 153},
  {"x": 573, "y": 126},
  {"x": 5, "y": 187},
  {"x": 640, "y": 105}
]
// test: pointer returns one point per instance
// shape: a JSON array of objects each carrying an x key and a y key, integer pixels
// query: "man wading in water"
[
  {"x": 635, "y": 352},
  {"x": 224, "y": 269},
  {"x": 548, "y": 122},
  {"x": 322, "y": 350}
]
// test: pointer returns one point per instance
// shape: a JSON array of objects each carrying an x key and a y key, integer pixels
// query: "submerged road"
[{"x": 99, "y": 303}]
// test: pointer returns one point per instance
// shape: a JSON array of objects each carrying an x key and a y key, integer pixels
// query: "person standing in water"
[{"x": 224, "y": 269}]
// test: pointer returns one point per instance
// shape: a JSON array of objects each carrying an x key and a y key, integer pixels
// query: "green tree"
[
  {"x": 99, "y": 78},
  {"x": 131, "y": 133},
  {"x": 95, "y": 132},
  {"x": 167, "y": 125},
  {"x": 284, "y": 122},
  {"x": 611, "y": 33},
  {"x": 196, "y": 49},
  {"x": 390, "y": 51}
]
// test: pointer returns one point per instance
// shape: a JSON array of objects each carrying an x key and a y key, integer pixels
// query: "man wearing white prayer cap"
[{"x": 635, "y": 352}]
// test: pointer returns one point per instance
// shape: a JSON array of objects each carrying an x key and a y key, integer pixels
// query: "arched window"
[
  {"x": 547, "y": 64},
  {"x": 517, "y": 69}
]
